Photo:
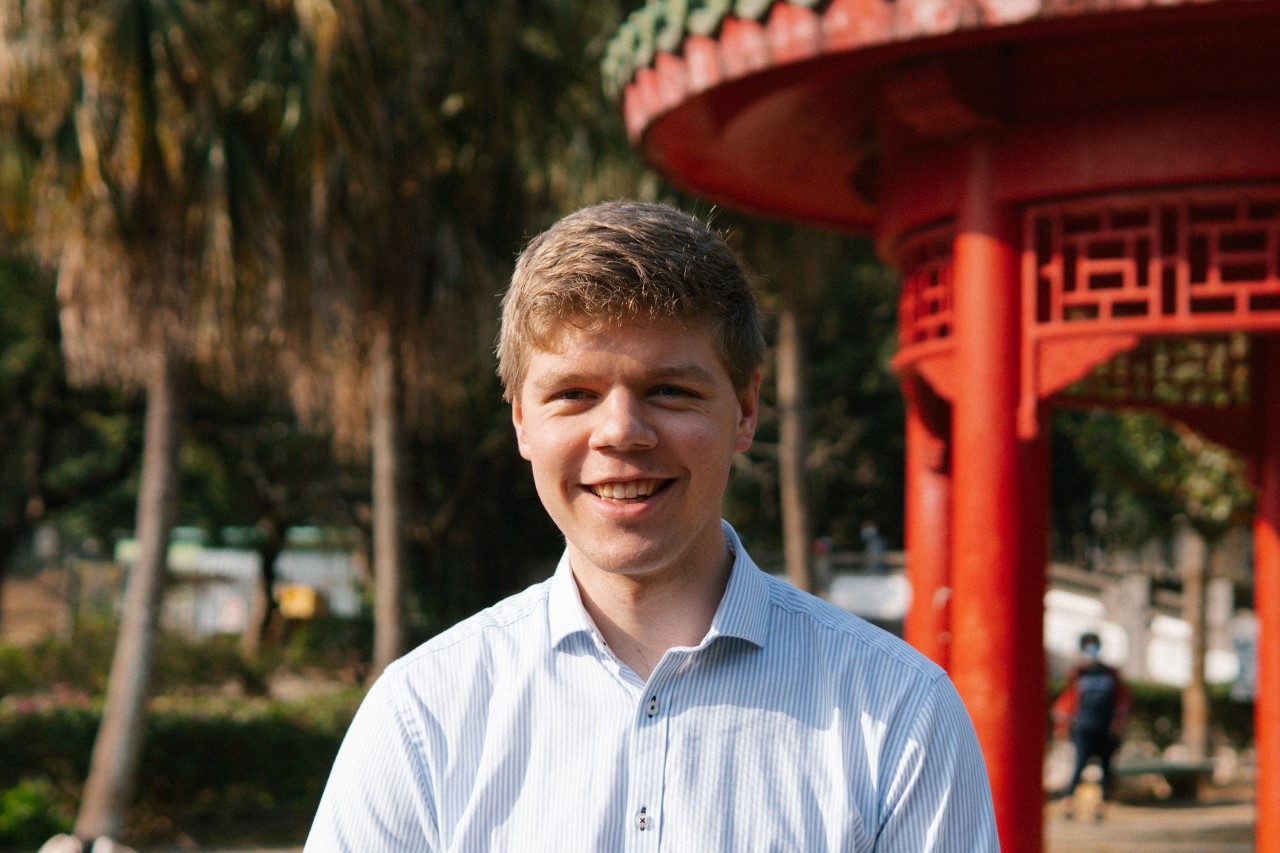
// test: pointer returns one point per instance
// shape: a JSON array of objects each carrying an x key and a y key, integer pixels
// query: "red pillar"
[
  {"x": 1266, "y": 593},
  {"x": 1032, "y": 702},
  {"x": 928, "y": 525},
  {"x": 996, "y": 660}
]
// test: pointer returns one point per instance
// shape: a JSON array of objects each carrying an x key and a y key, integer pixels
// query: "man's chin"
[{"x": 638, "y": 561}]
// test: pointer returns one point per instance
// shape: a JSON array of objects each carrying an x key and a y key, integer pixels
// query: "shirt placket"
[{"x": 649, "y": 755}]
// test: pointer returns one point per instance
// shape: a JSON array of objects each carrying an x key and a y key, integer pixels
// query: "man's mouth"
[{"x": 631, "y": 490}]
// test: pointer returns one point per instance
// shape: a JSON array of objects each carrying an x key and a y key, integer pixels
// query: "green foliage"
[
  {"x": 46, "y": 733},
  {"x": 856, "y": 410},
  {"x": 84, "y": 661},
  {"x": 1156, "y": 715},
  {"x": 67, "y": 454},
  {"x": 214, "y": 768},
  {"x": 329, "y": 644},
  {"x": 1144, "y": 472},
  {"x": 847, "y": 300},
  {"x": 248, "y": 461},
  {"x": 185, "y": 663},
  {"x": 478, "y": 531},
  {"x": 18, "y": 672},
  {"x": 216, "y": 764},
  {"x": 31, "y": 811}
]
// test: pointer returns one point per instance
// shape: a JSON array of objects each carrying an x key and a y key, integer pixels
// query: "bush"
[
  {"x": 31, "y": 811},
  {"x": 180, "y": 663},
  {"x": 219, "y": 766},
  {"x": 1157, "y": 715},
  {"x": 186, "y": 664},
  {"x": 215, "y": 769},
  {"x": 17, "y": 671},
  {"x": 48, "y": 736},
  {"x": 330, "y": 643},
  {"x": 84, "y": 661}
]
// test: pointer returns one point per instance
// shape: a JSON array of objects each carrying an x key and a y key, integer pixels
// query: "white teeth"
[{"x": 629, "y": 490}]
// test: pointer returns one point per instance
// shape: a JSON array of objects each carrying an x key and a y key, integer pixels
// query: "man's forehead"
[
  {"x": 576, "y": 349},
  {"x": 558, "y": 335},
  {"x": 640, "y": 320}
]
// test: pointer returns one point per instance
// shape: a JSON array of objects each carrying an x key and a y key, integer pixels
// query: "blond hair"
[{"x": 626, "y": 260}]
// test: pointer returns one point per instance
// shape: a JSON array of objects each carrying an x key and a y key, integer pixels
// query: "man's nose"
[{"x": 622, "y": 424}]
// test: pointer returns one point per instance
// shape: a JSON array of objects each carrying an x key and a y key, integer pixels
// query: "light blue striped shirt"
[{"x": 793, "y": 726}]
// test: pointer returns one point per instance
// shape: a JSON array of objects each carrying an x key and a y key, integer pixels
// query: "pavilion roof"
[{"x": 662, "y": 26}]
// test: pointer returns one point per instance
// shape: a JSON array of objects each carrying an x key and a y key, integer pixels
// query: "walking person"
[{"x": 1092, "y": 710}]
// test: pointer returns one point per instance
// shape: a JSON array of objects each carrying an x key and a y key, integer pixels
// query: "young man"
[{"x": 659, "y": 692}]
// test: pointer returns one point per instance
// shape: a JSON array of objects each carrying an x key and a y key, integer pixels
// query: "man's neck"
[{"x": 642, "y": 617}]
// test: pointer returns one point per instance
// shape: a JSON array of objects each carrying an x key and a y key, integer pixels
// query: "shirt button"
[
  {"x": 643, "y": 821},
  {"x": 652, "y": 708}
]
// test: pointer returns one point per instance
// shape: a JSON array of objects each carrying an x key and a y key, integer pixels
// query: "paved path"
[{"x": 1208, "y": 828}]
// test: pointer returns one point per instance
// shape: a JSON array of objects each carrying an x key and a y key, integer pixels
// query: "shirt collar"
[
  {"x": 743, "y": 611},
  {"x": 565, "y": 614}
]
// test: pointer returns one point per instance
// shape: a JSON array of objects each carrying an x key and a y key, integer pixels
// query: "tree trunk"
[
  {"x": 264, "y": 608},
  {"x": 385, "y": 447},
  {"x": 118, "y": 746},
  {"x": 8, "y": 548},
  {"x": 792, "y": 435},
  {"x": 25, "y": 503},
  {"x": 1194, "y": 560}
]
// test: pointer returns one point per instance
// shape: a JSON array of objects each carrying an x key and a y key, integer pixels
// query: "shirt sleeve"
[
  {"x": 939, "y": 799},
  {"x": 1064, "y": 707},
  {"x": 378, "y": 797}
]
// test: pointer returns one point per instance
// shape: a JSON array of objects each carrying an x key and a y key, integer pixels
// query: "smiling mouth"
[{"x": 632, "y": 491}]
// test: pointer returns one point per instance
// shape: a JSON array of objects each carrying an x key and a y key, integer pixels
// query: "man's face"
[{"x": 630, "y": 432}]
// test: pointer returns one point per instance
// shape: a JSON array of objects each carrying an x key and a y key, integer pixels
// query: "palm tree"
[{"x": 155, "y": 127}]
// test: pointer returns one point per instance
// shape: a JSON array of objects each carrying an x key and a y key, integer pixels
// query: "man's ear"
[
  {"x": 517, "y": 421},
  {"x": 748, "y": 413}
]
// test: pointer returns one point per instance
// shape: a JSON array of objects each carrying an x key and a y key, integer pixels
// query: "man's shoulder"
[
  {"x": 815, "y": 619},
  {"x": 518, "y": 619}
]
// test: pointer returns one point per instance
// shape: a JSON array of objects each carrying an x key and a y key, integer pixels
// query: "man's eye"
[
  {"x": 672, "y": 391},
  {"x": 573, "y": 395}
]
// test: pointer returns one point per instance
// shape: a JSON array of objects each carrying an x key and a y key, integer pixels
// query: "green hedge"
[
  {"x": 85, "y": 661},
  {"x": 214, "y": 769},
  {"x": 1157, "y": 715}
]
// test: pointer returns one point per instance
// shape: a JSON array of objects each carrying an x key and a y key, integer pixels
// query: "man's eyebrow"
[
  {"x": 559, "y": 379},
  {"x": 690, "y": 372}
]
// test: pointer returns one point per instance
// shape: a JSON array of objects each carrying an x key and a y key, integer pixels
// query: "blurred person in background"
[{"x": 1091, "y": 710}]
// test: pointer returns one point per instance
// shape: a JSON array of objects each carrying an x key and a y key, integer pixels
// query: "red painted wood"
[
  {"x": 1266, "y": 590},
  {"x": 928, "y": 524},
  {"x": 1143, "y": 148},
  {"x": 995, "y": 659}
]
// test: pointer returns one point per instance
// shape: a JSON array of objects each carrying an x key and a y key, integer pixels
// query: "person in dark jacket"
[{"x": 1092, "y": 709}]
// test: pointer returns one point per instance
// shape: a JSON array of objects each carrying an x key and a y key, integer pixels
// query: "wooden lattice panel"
[
  {"x": 1148, "y": 300},
  {"x": 925, "y": 306},
  {"x": 1168, "y": 264},
  {"x": 926, "y": 330},
  {"x": 1139, "y": 300}
]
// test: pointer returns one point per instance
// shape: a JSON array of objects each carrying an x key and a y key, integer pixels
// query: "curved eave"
[
  {"x": 754, "y": 144},
  {"x": 727, "y": 112}
]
